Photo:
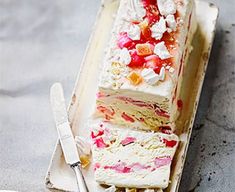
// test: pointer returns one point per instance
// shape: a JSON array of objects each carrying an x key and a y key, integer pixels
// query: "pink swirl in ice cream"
[
  {"x": 128, "y": 140},
  {"x": 159, "y": 162}
]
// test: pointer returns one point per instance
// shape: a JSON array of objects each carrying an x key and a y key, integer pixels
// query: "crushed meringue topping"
[
  {"x": 166, "y": 7},
  {"x": 124, "y": 56},
  {"x": 171, "y": 70},
  {"x": 160, "y": 50},
  {"x": 168, "y": 67},
  {"x": 134, "y": 32},
  {"x": 162, "y": 74},
  {"x": 139, "y": 11},
  {"x": 171, "y": 23},
  {"x": 158, "y": 29},
  {"x": 150, "y": 76}
]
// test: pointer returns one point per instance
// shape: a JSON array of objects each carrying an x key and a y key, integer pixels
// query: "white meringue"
[
  {"x": 124, "y": 56},
  {"x": 134, "y": 32},
  {"x": 150, "y": 76},
  {"x": 166, "y": 7},
  {"x": 170, "y": 20},
  {"x": 162, "y": 74},
  {"x": 158, "y": 29},
  {"x": 160, "y": 50}
]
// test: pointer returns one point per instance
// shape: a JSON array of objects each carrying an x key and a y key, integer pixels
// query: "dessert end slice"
[{"x": 130, "y": 158}]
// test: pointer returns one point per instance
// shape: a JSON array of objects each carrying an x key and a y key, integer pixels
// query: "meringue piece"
[
  {"x": 168, "y": 67},
  {"x": 158, "y": 29},
  {"x": 171, "y": 23},
  {"x": 171, "y": 70},
  {"x": 138, "y": 13},
  {"x": 134, "y": 32},
  {"x": 124, "y": 56},
  {"x": 111, "y": 189},
  {"x": 84, "y": 147},
  {"x": 160, "y": 50},
  {"x": 150, "y": 76},
  {"x": 166, "y": 7},
  {"x": 162, "y": 74}
]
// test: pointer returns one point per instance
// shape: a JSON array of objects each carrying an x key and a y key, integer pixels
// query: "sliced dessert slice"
[
  {"x": 132, "y": 158},
  {"x": 143, "y": 66}
]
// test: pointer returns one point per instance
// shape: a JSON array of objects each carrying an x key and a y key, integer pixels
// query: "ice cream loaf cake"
[
  {"x": 131, "y": 158},
  {"x": 143, "y": 65}
]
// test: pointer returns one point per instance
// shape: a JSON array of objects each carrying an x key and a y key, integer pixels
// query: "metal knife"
[{"x": 66, "y": 137}]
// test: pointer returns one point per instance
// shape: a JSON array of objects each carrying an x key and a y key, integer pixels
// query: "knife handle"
[{"x": 80, "y": 179}]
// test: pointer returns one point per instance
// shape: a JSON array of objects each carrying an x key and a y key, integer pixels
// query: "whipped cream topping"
[
  {"x": 158, "y": 29},
  {"x": 134, "y": 32},
  {"x": 166, "y": 7},
  {"x": 124, "y": 56},
  {"x": 160, "y": 50},
  {"x": 171, "y": 23}
]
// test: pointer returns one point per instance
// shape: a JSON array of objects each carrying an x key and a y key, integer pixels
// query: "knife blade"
[
  {"x": 62, "y": 124},
  {"x": 66, "y": 137}
]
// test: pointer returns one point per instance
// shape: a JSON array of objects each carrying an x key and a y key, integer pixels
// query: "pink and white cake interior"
[
  {"x": 144, "y": 62},
  {"x": 130, "y": 158}
]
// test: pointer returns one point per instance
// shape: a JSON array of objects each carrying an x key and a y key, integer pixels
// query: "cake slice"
[
  {"x": 143, "y": 65},
  {"x": 131, "y": 158}
]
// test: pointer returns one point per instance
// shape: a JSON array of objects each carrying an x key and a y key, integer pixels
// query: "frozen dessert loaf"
[{"x": 144, "y": 62}]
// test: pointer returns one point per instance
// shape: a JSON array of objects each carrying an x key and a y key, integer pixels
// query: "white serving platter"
[{"x": 60, "y": 176}]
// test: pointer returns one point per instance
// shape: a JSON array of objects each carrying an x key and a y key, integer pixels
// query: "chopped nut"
[
  {"x": 114, "y": 84},
  {"x": 116, "y": 71},
  {"x": 115, "y": 64},
  {"x": 117, "y": 85},
  {"x": 135, "y": 78}
]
